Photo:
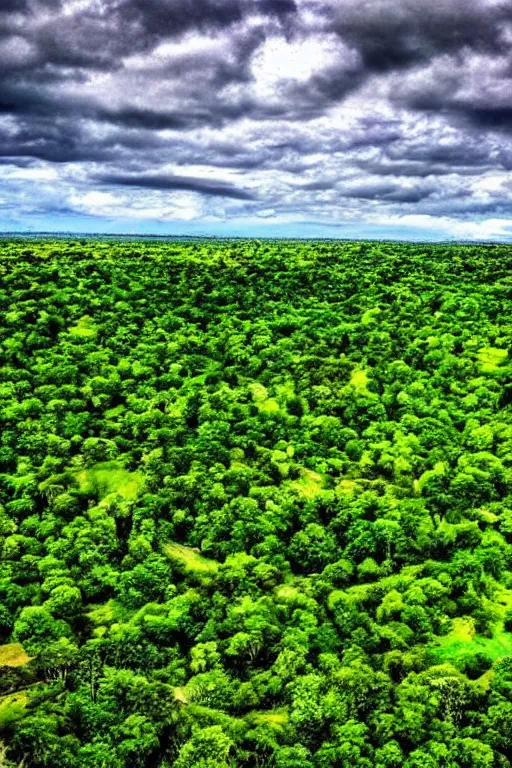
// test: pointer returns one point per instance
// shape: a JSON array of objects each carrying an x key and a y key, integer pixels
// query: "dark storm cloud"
[
  {"x": 495, "y": 117},
  {"x": 453, "y": 154},
  {"x": 364, "y": 104},
  {"x": 399, "y": 34},
  {"x": 98, "y": 36},
  {"x": 388, "y": 191},
  {"x": 11, "y": 6},
  {"x": 416, "y": 169},
  {"x": 172, "y": 17},
  {"x": 279, "y": 7},
  {"x": 376, "y": 133},
  {"x": 318, "y": 186},
  {"x": 150, "y": 119},
  {"x": 203, "y": 186}
]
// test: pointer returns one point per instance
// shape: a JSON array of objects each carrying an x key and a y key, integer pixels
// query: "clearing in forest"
[
  {"x": 12, "y": 707},
  {"x": 463, "y": 642},
  {"x": 13, "y": 655},
  {"x": 490, "y": 358},
  {"x": 110, "y": 477},
  {"x": 310, "y": 483},
  {"x": 190, "y": 558},
  {"x": 359, "y": 380},
  {"x": 84, "y": 328}
]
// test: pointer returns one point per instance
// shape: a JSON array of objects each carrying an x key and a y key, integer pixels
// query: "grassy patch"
[
  {"x": 176, "y": 409},
  {"x": 463, "y": 642},
  {"x": 115, "y": 413},
  {"x": 490, "y": 358},
  {"x": 191, "y": 560},
  {"x": 108, "y": 613},
  {"x": 276, "y": 718},
  {"x": 287, "y": 593},
  {"x": 370, "y": 316},
  {"x": 180, "y": 695},
  {"x": 269, "y": 406},
  {"x": 12, "y": 707},
  {"x": 84, "y": 329},
  {"x": 359, "y": 380},
  {"x": 486, "y": 516},
  {"x": 346, "y": 486},
  {"x": 484, "y": 680},
  {"x": 259, "y": 392},
  {"x": 109, "y": 477},
  {"x": 262, "y": 401},
  {"x": 503, "y": 598},
  {"x": 13, "y": 655},
  {"x": 309, "y": 485},
  {"x": 459, "y": 645}
]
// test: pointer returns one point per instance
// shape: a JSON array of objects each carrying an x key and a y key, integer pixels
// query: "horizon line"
[{"x": 5, "y": 234}]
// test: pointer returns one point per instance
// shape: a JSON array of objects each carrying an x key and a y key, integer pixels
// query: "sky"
[{"x": 289, "y": 118}]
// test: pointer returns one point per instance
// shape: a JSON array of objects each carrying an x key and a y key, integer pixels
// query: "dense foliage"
[{"x": 255, "y": 505}]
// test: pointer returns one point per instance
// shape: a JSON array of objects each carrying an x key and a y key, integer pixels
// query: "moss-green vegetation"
[
  {"x": 13, "y": 655},
  {"x": 109, "y": 477},
  {"x": 263, "y": 402},
  {"x": 84, "y": 328},
  {"x": 309, "y": 483},
  {"x": 463, "y": 641},
  {"x": 190, "y": 559},
  {"x": 255, "y": 505},
  {"x": 428, "y": 476},
  {"x": 276, "y": 719},
  {"x": 490, "y": 358},
  {"x": 109, "y": 613},
  {"x": 359, "y": 380},
  {"x": 12, "y": 708}
]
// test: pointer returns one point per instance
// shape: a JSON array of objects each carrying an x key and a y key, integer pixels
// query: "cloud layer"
[{"x": 348, "y": 117}]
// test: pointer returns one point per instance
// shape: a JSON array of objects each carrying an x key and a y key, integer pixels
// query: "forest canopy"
[{"x": 255, "y": 504}]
